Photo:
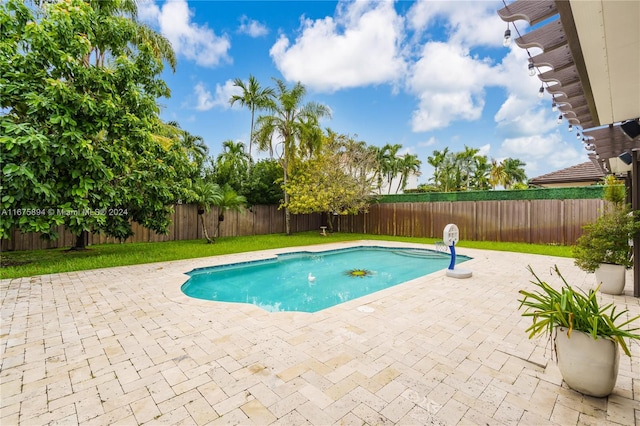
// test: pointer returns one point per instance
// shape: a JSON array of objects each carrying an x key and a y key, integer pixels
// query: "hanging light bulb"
[
  {"x": 584, "y": 140},
  {"x": 541, "y": 92},
  {"x": 554, "y": 107},
  {"x": 507, "y": 37},
  {"x": 532, "y": 69},
  {"x": 578, "y": 135},
  {"x": 559, "y": 119},
  {"x": 571, "y": 127}
]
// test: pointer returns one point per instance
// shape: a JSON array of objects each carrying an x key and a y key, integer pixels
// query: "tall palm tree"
[
  {"x": 409, "y": 164},
  {"x": 465, "y": 160},
  {"x": 288, "y": 122},
  {"x": 497, "y": 175},
  {"x": 391, "y": 163},
  {"x": 481, "y": 170},
  {"x": 514, "y": 170},
  {"x": 207, "y": 194},
  {"x": 253, "y": 97},
  {"x": 437, "y": 161}
]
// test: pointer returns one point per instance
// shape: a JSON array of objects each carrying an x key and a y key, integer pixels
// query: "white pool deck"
[{"x": 124, "y": 346}]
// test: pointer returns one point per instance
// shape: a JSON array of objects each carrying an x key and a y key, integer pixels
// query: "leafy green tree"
[
  {"x": 206, "y": 195},
  {"x": 337, "y": 180},
  {"x": 288, "y": 122},
  {"x": 77, "y": 136},
  {"x": 232, "y": 165},
  {"x": 265, "y": 183},
  {"x": 253, "y": 97}
]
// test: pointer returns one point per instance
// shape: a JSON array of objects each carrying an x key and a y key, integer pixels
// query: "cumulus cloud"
[
  {"x": 220, "y": 98},
  {"x": 360, "y": 46},
  {"x": 252, "y": 27},
  {"x": 476, "y": 26},
  {"x": 190, "y": 40},
  {"x": 541, "y": 152},
  {"x": 449, "y": 84}
]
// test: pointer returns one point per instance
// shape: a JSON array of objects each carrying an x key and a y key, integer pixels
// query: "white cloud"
[
  {"x": 360, "y": 46},
  {"x": 252, "y": 27},
  {"x": 542, "y": 152},
  {"x": 449, "y": 84},
  {"x": 429, "y": 142},
  {"x": 190, "y": 40},
  {"x": 469, "y": 23},
  {"x": 206, "y": 100}
]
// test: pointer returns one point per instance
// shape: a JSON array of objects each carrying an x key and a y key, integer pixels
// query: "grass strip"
[{"x": 18, "y": 264}]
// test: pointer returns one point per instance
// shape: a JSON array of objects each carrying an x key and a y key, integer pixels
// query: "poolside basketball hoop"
[{"x": 450, "y": 237}]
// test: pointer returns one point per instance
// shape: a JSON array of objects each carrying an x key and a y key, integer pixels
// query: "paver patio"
[{"x": 124, "y": 346}]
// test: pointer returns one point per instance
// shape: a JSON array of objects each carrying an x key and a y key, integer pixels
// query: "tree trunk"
[
  {"x": 81, "y": 241},
  {"x": 204, "y": 231}
]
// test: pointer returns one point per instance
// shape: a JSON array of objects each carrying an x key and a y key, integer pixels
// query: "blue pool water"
[{"x": 283, "y": 284}]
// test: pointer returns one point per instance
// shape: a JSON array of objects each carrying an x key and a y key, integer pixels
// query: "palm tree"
[
  {"x": 160, "y": 45},
  {"x": 437, "y": 161},
  {"x": 207, "y": 194},
  {"x": 481, "y": 170},
  {"x": 232, "y": 164},
  {"x": 390, "y": 163},
  {"x": 230, "y": 200},
  {"x": 497, "y": 175},
  {"x": 409, "y": 164},
  {"x": 289, "y": 122},
  {"x": 514, "y": 170},
  {"x": 465, "y": 161},
  {"x": 253, "y": 97}
]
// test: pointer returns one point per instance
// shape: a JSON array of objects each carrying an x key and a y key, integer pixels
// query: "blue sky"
[{"x": 427, "y": 75}]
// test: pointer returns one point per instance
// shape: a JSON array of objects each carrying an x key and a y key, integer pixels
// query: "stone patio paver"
[{"x": 126, "y": 346}]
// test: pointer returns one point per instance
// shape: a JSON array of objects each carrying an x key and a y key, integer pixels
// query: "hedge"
[{"x": 568, "y": 193}]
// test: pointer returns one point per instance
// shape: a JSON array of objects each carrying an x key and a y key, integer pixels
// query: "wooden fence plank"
[{"x": 535, "y": 221}]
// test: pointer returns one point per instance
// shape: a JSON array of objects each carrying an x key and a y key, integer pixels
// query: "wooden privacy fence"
[
  {"x": 185, "y": 225},
  {"x": 522, "y": 221},
  {"x": 527, "y": 221}
]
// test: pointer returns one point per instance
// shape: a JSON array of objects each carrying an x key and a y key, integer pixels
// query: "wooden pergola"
[{"x": 590, "y": 64}]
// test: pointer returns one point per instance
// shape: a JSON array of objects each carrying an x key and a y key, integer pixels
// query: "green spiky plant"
[{"x": 574, "y": 310}]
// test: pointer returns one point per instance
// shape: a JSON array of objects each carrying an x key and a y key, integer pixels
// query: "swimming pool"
[{"x": 312, "y": 281}]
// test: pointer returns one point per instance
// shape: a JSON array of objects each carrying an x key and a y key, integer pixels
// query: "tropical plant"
[
  {"x": 466, "y": 160},
  {"x": 409, "y": 164},
  {"x": 607, "y": 239},
  {"x": 574, "y": 310},
  {"x": 232, "y": 165},
  {"x": 207, "y": 194},
  {"x": 79, "y": 114},
  {"x": 497, "y": 175},
  {"x": 230, "y": 201},
  {"x": 288, "y": 122},
  {"x": 614, "y": 189},
  {"x": 514, "y": 172},
  {"x": 255, "y": 98},
  {"x": 264, "y": 185}
]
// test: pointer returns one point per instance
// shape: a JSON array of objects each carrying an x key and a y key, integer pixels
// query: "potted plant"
[
  {"x": 587, "y": 337},
  {"x": 604, "y": 247}
]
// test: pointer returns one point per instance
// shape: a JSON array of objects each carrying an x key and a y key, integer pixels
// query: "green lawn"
[{"x": 37, "y": 262}]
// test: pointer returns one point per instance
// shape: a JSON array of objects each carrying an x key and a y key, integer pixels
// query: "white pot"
[
  {"x": 587, "y": 365},
  {"x": 611, "y": 277}
]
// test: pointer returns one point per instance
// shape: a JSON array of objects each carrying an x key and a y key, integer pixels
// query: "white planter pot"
[
  {"x": 587, "y": 365},
  {"x": 611, "y": 277}
]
